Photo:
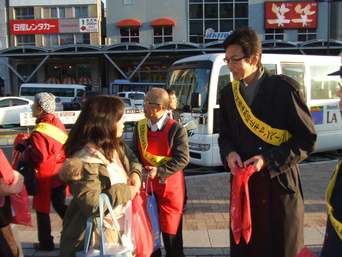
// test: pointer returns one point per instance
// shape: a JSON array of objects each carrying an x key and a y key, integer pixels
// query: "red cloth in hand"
[
  {"x": 6, "y": 169},
  {"x": 240, "y": 212}
]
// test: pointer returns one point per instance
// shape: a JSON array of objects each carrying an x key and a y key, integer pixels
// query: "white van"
[
  {"x": 136, "y": 96},
  {"x": 66, "y": 92},
  {"x": 202, "y": 77}
]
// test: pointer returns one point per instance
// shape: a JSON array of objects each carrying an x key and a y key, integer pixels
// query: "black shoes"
[{"x": 39, "y": 247}]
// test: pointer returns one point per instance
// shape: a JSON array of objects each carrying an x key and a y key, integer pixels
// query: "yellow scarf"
[
  {"x": 336, "y": 224},
  {"x": 51, "y": 131},
  {"x": 155, "y": 160},
  {"x": 268, "y": 134}
]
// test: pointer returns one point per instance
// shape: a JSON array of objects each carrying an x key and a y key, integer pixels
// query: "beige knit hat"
[{"x": 46, "y": 101}]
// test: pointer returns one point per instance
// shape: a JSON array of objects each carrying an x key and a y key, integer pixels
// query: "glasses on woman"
[{"x": 233, "y": 60}]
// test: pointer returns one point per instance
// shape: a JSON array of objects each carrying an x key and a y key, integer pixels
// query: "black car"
[{"x": 78, "y": 102}]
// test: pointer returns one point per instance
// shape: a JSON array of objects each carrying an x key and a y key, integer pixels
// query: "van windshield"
[
  {"x": 136, "y": 96},
  {"x": 188, "y": 81}
]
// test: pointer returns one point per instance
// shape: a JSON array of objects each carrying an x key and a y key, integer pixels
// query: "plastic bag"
[
  {"x": 106, "y": 249},
  {"x": 305, "y": 252},
  {"x": 21, "y": 208},
  {"x": 17, "y": 239},
  {"x": 152, "y": 209},
  {"x": 144, "y": 239},
  {"x": 128, "y": 238},
  {"x": 241, "y": 222}
]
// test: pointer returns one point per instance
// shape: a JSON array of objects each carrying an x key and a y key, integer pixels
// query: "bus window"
[
  {"x": 271, "y": 67},
  {"x": 297, "y": 72},
  {"x": 188, "y": 81},
  {"x": 79, "y": 92},
  {"x": 223, "y": 80},
  {"x": 120, "y": 85},
  {"x": 322, "y": 85},
  {"x": 64, "y": 91}
]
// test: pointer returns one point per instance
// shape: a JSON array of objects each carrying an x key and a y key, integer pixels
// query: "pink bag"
[
  {"x": 20, "y": 202},
  {"x": 21, "y": 207},
  {"x": 143, "y": 232},
  {"x": 305, "y": 252}
]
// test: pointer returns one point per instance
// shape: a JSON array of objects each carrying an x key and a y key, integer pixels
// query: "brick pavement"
[{"x": 205, "y": 222}]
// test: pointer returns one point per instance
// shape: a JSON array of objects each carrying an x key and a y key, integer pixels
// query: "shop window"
[
  {"x": 50, "y": 40},
  {"x": 196, "y": 11},
  {"x": 150, "y": 73},
  {"x": 81, "y": 12},
  {"x": 57, "y": 12},
  {"x": 129, "y": 34},
  {"x": 274, "y": 34},
  {"x": 24, "y": 13},
  {"x": 162, "y": 34},
  {"x": 211, "y": 11},
  {"x": 306, "y": 34},
  {"x": 25, "y": 70},
  {"x": 226, "y": 11},
  {"x": 79, "y": 72},
  {"x": 66, "y": 39},
  {"x": 83, "y": 38},
  {"x": 221, "y": 16},
  {"x": 25, "y": 40}
]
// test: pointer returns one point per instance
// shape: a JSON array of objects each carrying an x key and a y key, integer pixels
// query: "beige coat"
[{"x": 87, "y": 177}]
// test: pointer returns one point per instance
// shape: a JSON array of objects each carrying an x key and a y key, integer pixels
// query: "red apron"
[{"x": 170, "y": 192}]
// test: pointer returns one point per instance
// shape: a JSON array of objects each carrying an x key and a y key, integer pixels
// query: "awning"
[
  {"x": 53, "y": 80},
  {"x": 129, "y": 23},
  {"x": 163, "y": 22},
  {"x": 68, "y": 80},
  {"x": 84, "y": 81}
]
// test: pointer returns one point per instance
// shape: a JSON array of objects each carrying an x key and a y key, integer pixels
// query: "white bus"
[
  {"x": 202, "y": 77},
  {"x": 120, "y": 85},
  {"x": 67, "y": 92}
]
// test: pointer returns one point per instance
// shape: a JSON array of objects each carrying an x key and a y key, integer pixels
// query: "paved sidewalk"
[{"x": 206, "y": 219}]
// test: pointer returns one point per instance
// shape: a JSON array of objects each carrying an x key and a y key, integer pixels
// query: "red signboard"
[
  {"x": 33, "y": 27},
  {"x": 284, "y": 15}
]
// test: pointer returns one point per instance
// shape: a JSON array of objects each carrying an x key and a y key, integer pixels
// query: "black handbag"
[{"x": 30, "y": 179}]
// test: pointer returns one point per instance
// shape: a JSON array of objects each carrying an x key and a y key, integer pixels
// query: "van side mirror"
[{"x": 195, "y": 100}]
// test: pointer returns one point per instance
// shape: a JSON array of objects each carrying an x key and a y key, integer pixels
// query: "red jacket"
[{"x": 46, "y": 155}]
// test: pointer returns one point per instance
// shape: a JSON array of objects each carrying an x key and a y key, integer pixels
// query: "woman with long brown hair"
[{"x": 98, "y": 161}]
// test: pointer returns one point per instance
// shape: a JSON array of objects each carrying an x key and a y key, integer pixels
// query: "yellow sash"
[
  {"x": 336, "y": 224},
  {"x": 51, "y": 131},
  {"x": 268, "y": 134},
  {"x": 153, "y": 159}
]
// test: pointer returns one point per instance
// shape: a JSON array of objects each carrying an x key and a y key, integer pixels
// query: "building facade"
[
  {"x": 43, "y": 27},
  {"x": 57, "y": 41}
]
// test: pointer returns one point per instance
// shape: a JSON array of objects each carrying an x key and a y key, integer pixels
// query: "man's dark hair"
[
  {"x": 170, "y": 91},
  {"x": 248, "y": 39}
]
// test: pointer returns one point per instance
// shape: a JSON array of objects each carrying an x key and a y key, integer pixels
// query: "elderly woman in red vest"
[{"x": 45, "y": 154}]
